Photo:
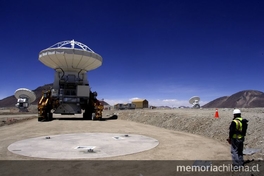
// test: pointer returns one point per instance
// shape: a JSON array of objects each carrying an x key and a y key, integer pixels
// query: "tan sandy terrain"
[
  {"x": 183, "y": 134},
  {"x": 203, "y": 122}
]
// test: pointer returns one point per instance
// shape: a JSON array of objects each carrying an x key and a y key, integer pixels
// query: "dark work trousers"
[{"x": 237, "y": 151}]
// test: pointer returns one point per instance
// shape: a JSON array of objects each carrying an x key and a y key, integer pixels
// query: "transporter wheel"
[
  {"x": 114, "y": 117},
  {"x": 87, "y": 116},
  {"x": 40, "y": 119},
  {"x": 46, "y": 116},
  {"x": 49, "y": 116}
]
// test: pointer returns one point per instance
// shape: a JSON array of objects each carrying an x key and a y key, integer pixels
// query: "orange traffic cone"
[{"x": 216, "y": 113}]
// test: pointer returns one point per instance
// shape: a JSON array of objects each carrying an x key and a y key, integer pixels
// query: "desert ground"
[{"x": 183, "y": 135}]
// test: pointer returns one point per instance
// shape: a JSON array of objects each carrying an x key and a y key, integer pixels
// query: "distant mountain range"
[{"x": 242, "y": 99}]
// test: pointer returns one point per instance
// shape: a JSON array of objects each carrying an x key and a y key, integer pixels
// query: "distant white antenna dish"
[
  {"x": 24, "y": 98},
  {"x": 195, "y": 102},
  {"x": 70, "y": 56}
]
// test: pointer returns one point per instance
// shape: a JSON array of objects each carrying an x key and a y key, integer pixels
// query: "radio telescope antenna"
[
  {"x": 24, "y": 98},
  {"x": 70, "y": 56},
  {"x": 195, "y": 102},
  {"x": 71, "y": 92}
]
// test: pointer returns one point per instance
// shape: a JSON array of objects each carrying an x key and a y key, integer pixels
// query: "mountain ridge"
[{"x": 241, "y": 99}]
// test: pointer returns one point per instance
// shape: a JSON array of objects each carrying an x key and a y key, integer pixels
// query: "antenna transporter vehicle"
[
  {"x": 70, "y": 93},
  {"x": 24, "y": 98}
]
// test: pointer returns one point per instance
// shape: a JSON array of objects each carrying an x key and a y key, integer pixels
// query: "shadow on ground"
[{"x": 113, "y": 117}]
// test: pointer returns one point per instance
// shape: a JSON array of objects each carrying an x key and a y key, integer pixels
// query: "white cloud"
[
  {"x": 131, "y": 99},
  {"x": 169, "y": 100}
]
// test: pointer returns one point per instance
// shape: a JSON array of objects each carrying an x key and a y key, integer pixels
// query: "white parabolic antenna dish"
[
  {"x": 71, "y": 56},
  {"x": 194, "y": 100},
  {"x": 25, "y": 93}
]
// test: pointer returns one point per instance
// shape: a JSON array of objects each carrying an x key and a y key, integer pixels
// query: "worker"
[{"x": 236, "y": 139}]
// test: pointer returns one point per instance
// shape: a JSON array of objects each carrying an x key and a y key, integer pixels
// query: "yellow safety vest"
[{"x": 238, "y": 122}]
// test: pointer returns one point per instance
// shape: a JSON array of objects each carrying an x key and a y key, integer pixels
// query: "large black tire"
[
  {"x": 40, "y": 119},
  {"x": 49, "y": 116},
  {"x": 87, "y": 116}
]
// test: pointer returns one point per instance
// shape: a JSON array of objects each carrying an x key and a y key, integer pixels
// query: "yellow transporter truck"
[{"x": 70, "y": 93}]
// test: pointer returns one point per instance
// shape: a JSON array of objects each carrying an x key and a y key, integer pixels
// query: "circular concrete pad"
[{"x": 83, "y": 145}]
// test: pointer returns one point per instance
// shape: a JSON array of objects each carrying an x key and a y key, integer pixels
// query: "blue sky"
[{"x": 165, "y": 51}]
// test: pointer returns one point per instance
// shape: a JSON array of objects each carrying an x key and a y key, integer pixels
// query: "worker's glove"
[{"x": 228, "y": 140}]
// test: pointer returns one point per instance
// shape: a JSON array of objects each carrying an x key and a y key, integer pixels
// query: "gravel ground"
[
  {"x": 202, "y": 122},
  {"x": 195, "y": 121}
]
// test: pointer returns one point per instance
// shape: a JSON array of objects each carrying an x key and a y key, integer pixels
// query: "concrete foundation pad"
[{"x": 83, "y": 145}]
